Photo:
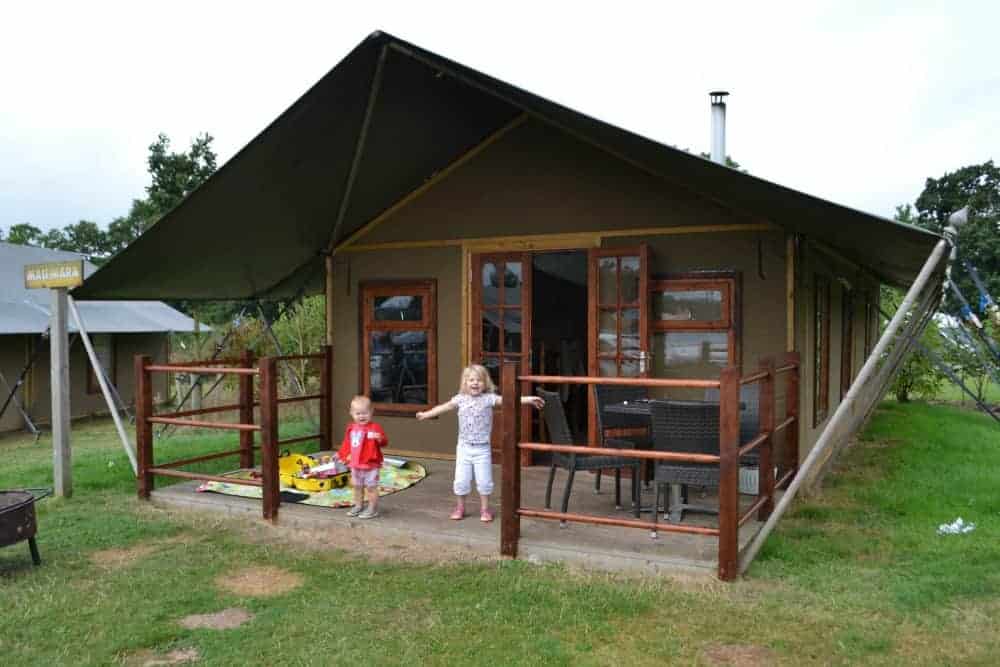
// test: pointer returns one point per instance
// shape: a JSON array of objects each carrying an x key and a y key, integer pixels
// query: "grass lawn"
[
  {"x": 952, "y": 393},
  {"x": 856, "y": 575}
]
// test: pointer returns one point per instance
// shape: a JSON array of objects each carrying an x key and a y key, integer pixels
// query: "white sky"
[{"x": 854, "y": 102}]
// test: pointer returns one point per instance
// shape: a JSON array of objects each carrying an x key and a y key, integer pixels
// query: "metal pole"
[
  {"x": 844, "y": 409},
  {"x": 62, "y": 460},
  {"x": 102, "y": 381}
]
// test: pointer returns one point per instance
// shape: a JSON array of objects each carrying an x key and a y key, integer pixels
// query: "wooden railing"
[
  {"x": 266, "y": 369},
  {"x": 730, "y": 518}
]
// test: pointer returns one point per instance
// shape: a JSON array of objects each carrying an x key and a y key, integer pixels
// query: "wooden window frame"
[
  {"x": 846, "y": 342},
  {"x": 727, "y": 282},
  {"x": 426, "y": 288},
  {"x": 93, "y": 386},
  {"x": 821, "y": 349}
]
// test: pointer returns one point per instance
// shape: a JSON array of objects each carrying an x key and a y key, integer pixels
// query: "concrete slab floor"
[{"x": 419, "y": 516}]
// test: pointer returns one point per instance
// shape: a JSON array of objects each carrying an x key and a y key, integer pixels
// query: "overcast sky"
[{"x": 854, "y": 102}]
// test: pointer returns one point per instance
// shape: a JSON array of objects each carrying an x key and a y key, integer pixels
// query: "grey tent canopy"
[{"x": 382, "y": 122}]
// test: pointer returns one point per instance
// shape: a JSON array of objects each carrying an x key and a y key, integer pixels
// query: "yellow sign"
[{"x": 54, "y": 274}]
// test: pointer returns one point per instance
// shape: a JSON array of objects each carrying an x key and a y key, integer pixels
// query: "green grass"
[
  {"x": 856, "y": 575},
  {"x": 953, "y": 394}
]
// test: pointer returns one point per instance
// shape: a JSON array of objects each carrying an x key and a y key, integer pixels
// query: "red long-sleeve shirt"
[{"x": 362, "y": 445}]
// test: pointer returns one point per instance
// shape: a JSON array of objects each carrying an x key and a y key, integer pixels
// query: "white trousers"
[{"x": 473, "y": 461}]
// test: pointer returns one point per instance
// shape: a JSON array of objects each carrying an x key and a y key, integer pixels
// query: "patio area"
[{"x": 419, "y": 516}]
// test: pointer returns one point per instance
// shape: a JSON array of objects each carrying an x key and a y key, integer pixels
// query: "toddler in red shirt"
[{"x": 362, "y": 451}]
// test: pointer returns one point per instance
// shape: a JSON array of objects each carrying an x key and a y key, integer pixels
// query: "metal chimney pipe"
[{"x": 718, "y": 98}]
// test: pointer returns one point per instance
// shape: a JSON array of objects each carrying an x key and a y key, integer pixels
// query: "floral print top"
[{"x": 475, "y": 417}]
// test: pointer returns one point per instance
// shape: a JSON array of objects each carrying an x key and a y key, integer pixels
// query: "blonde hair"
[
  {"x": 362, "y": 402},
  {"x": 484, "y": 377}
]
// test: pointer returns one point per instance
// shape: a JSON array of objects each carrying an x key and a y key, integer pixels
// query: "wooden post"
[
  {"x": 329, "y": 299},
  {"x": 791, "y": 458},
  {"x": 510, "y": 483},
  {"x": 62, "y": 457},
  {"x": 143, "y": 428},
  {"x": 765, "y": 474},
  {"x": 246, "y": 411},
  {"x": 729, "y": 472},
  {"x": 269, "y": 436},
  {"x": 326, "y": 403}
]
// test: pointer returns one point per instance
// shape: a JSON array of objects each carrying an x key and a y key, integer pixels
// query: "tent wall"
[
  {"x": 534, "y": 181},
  {"x": 13, "y": 356},
  {"x": 815, "y": 262},
  {"x": 36, "y": 392}
]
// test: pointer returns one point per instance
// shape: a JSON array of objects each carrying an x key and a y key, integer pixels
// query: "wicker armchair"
[
  {"x": 749, "y": 417},
  {"x": 559, "y": 433},
  {"x": 607, "y": 395},
  {"x": 689, "y": 427}
]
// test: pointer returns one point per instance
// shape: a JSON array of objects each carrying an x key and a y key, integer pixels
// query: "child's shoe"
[
  {"x": 486, "y": 515},
  {"x": 369, "y": 513},
  {"x": 458, "y": 514},
  {"x": 355, "y": 510}
]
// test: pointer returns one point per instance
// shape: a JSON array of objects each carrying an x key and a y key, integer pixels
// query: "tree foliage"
[
  {"x": 977, "y": 186},
  {"x": 173, "y": 176},
  {"x": 917, "y": 375}
]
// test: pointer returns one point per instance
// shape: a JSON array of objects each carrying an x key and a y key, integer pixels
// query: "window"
[
  {"x": 821, "y": 349},
  {"x": 399, "y": 345},
  {"x": 104, "y": 350},
  {"x": 694, "y": 326},
  {"x": 846, "y": 343},
  {"x": 871, "y": 324}
]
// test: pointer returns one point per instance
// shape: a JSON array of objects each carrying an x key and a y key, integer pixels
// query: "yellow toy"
[{"x": 294, "y": 471}]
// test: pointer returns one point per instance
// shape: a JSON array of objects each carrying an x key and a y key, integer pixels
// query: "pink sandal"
[
  {"x": 458, "y": 514},
  {"x": 486, "y": 516}
]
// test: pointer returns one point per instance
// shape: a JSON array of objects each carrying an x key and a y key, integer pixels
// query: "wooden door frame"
[
  {"x": 524, "y": 258},
  {"x": 500, "y": 246},
  {"x": 593, "y": 313}
]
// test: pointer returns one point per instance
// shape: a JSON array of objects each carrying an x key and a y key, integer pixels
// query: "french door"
[
  {"x": 618, "y": 317},
  {"x": 501, "y": 320}
]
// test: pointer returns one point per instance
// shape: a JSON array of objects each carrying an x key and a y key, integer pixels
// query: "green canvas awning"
[{"x": 381, "y": 123}]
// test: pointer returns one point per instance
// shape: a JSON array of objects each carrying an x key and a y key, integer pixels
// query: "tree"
[
  {"x": 917, "y": 375},
  {"x": 24, "y": 234},
  {"x": 176, "y": 175},
  {"x": 977, "y": 186}
]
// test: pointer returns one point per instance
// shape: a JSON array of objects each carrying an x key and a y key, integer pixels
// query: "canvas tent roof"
[
  {"x": 24, "y": 311},
  {"x": 384, "y": 120}
]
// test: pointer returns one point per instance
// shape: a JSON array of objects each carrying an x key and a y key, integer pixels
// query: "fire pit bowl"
[{"x": 17, "y": 518}]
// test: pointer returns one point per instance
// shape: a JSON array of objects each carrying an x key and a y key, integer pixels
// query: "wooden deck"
[{"x": 419, "y": 516}]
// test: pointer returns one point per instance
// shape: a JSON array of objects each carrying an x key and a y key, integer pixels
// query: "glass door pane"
[
  {"x": 618, "y": 284},
  {"x": 501, "y": 318}
]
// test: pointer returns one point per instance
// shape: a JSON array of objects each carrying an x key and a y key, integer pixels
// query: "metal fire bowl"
[{"x": 17, "y": 516}]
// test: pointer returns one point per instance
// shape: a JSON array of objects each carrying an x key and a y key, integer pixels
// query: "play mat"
[{"x": 391, "y": 479}]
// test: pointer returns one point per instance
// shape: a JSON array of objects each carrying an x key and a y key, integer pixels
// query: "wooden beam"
[
  {"x": 143, "y": 429},
  {"x": 729, "y": 464},
  {"x": 329, "y": 299},
  {"x": 62, "y": 455},
  {"x": 510, "y": 478},
  {"x": 568, "y": 241},
  {"x": 790, "y": 293}
]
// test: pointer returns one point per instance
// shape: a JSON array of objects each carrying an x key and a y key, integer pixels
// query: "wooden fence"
[
  {"x": 730, "y": 451},
  {"x": 245, "y": 368}
]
